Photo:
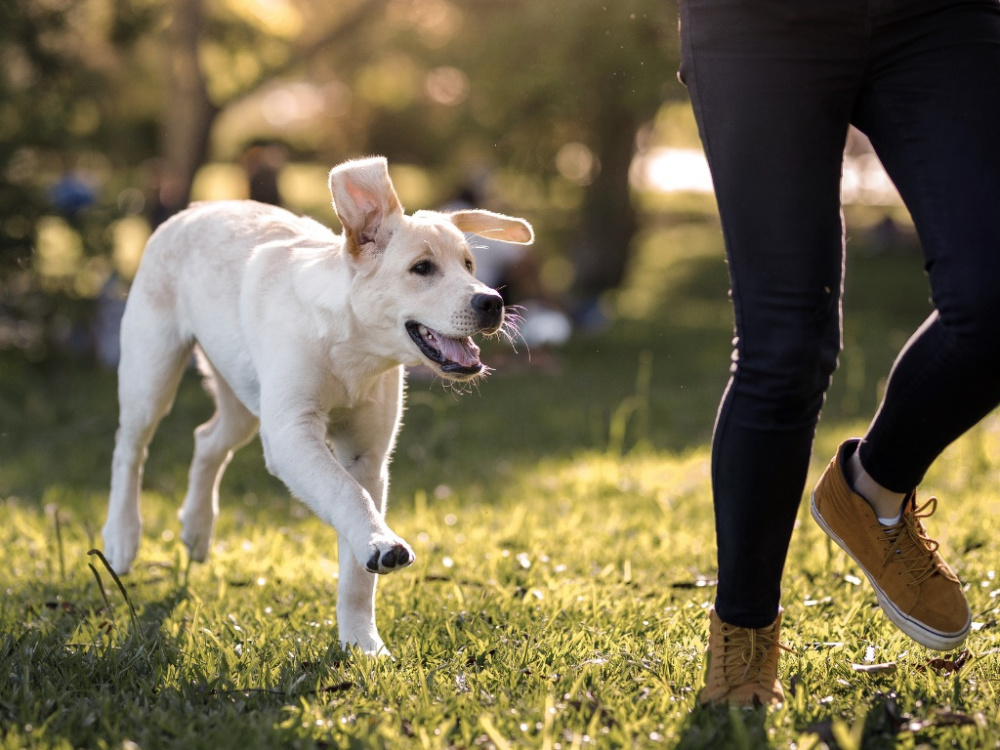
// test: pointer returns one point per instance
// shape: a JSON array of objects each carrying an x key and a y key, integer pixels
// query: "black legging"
[{"x": 775, "y": 84}]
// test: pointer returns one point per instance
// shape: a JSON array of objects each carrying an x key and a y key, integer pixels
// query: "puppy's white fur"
[{"x": 301, "y": 333}]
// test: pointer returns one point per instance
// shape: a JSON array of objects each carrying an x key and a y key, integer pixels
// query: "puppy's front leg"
[
  {"x": 295, "y": 450},
  {"x": 356, "y": 626},
  {"x": 363, "y": 444}
]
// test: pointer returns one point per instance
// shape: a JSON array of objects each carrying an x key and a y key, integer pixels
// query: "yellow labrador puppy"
[{"x": 302, "y": 334}]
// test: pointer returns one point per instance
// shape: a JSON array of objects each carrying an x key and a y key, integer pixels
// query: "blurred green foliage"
[{"x": 109, "y": 110}]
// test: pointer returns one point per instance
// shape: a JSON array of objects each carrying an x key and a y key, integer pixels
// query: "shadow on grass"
[
  {"x": 724, "y": 727},
  {"x": 746, "y": 729},
  {"x": 80, "y": 675},
  {"x": 878, "y": 730}
]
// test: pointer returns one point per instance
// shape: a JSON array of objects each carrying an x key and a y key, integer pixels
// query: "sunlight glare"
[
  {"x": 678, "y": 170},
  {"x": 277, "y": 17}
]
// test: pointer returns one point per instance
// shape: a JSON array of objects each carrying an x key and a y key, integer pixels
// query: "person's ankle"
[{"x": 886, "y": 504}]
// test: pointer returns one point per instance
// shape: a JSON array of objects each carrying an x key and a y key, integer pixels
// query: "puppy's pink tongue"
[{"x": 461, "y": 351}]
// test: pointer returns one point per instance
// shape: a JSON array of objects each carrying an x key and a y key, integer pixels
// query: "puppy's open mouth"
[{"x": 455, "y": 357}]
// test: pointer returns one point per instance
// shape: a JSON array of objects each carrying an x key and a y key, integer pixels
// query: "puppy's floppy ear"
[
  {"x": 493, "y": 226},
  {"x": 365, "y": 202}
]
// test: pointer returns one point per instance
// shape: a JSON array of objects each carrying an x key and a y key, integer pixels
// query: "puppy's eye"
[
  {"x": 423, "y": 268},
  {"x": 468, "y": 264}
]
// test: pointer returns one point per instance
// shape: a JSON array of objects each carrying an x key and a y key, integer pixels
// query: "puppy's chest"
[
  {"x": 340, "y": 398},
  {"x": 359, "y": 418}
]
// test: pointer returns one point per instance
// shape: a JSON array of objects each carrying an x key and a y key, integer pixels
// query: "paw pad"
[{"x": 395, "y": 557}]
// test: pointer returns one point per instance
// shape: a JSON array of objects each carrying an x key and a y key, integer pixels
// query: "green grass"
[{"x": 565, "y": 556}]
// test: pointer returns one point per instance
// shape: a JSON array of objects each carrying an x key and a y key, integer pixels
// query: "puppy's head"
[{"x": 414, "y": 289}]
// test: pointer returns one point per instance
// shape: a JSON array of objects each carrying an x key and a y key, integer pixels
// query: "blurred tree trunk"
[
  {"x": 189, "y": 112},
  {"x": 608, "y": 221}
]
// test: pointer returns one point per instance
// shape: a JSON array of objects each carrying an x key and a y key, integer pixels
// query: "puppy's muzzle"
[{"x": 489, "y": 307}]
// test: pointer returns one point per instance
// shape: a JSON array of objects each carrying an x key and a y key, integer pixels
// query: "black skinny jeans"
[{"x": 775, "y": 84}]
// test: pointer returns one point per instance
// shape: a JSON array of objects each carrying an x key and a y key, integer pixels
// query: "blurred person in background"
[{"x": 262, "y": 163}]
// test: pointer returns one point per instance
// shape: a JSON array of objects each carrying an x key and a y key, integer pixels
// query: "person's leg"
[
  {"x": 932, "y": 111},
  {"x": 930, "y": 105},
  {"x": 772, "y": 84}
]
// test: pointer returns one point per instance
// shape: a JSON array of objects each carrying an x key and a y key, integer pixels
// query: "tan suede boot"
[
  {"x": 914, "y": 586},
  {"x": 741, "y": 665}
]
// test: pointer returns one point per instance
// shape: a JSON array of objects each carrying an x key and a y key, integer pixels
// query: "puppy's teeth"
[{"x": 423, "y": 330}]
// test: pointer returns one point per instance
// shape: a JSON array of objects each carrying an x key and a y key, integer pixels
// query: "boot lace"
[
  {"x": 745, "y": 651},
  {"x": 908, "y": 544}
]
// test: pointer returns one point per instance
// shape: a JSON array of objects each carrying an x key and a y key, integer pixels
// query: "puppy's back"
[{"x": 199, "y": 265}]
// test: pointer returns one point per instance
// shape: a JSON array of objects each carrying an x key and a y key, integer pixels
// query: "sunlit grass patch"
[
  {"x": 512, "y": 607},
  {"x": 564, "y": 607}
]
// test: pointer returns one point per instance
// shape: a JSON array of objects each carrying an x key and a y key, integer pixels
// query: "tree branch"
[{"x": 352, "y": 23}]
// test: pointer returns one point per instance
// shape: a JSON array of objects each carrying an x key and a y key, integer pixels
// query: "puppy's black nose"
[
  {"x": 490, "y": 308},
  {"x": 490, "y": 304}
]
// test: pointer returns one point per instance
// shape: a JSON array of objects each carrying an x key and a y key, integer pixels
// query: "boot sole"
[{"x": 918, "y": 631}]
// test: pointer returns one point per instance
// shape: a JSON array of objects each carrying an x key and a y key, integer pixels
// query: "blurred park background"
[{"x": 115, "y": 113}]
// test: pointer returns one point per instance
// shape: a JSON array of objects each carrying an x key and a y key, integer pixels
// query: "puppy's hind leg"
[
  {"x": 230, "y": 428},
  {"x": 153, "y": 357}
]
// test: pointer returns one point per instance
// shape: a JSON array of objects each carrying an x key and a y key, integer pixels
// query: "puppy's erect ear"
[
  {"x": 493, "y": 226},
  {"x": 365, "y": 202}
]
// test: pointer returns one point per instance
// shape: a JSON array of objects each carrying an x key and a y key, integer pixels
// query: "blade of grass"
[{"x": 121, "y": 588}]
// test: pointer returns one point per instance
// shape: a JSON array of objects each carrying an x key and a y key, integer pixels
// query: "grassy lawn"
[{"x": 562, "y": 522}]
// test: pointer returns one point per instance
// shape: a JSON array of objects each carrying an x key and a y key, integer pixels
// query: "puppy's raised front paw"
[{"x": 387, "y": 557}]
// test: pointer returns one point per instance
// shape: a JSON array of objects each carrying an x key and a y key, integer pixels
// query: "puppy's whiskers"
[
  {"x": 465, "y": 387},
  {"x": 511, "y": 328}
]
